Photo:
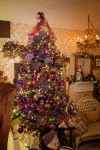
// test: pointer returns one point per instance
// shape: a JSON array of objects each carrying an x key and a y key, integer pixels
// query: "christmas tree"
[{"x": 41, "y": 100}]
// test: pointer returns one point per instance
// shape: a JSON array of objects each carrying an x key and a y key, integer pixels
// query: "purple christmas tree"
[{"x": 41, "y": 99}]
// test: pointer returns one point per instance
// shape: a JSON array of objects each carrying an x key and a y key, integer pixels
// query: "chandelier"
[{"x": 91, "y": 38}]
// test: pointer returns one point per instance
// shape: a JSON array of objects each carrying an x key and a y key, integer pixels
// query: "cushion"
[
  {"x": 93, "y": 116},
  {"x": 81, "y": 127},
  {"x": 71, "y": 122},
  {"x": 78, "y": 124},
  {"x": 82, "y": 117},
  {"x": 72, "y": 109}
]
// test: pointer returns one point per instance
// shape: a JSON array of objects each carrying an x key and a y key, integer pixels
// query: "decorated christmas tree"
[{"x": 41, "y": 99}]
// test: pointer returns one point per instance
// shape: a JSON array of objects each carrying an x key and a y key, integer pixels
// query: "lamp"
[{"x": 91, "y": 39}]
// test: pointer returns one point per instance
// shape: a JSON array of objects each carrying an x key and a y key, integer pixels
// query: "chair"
[{"x": 89, "y": 111}]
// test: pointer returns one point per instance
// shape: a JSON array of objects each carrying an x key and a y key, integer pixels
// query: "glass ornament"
[
  {"x": 20, "y": 82},
  {"x": 20, "y": 130}
]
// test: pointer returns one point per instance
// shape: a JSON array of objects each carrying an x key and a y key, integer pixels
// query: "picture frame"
[
  {"x": 85, "y": 63},
  {"x": 97, "y": 62}
]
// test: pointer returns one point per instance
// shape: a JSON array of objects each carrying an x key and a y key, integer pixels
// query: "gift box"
[{"x": 51, "y": 140}]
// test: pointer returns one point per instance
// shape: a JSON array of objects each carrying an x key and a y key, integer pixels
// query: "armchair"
[{"x": 89, "y": 110}]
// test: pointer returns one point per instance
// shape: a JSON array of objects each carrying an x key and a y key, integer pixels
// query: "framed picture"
[
  {"x": 97, "y": 62},
  {"x": 83, "y": 64}
]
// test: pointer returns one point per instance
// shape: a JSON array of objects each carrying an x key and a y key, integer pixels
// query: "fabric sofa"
[{"x": 89, "y": 116}]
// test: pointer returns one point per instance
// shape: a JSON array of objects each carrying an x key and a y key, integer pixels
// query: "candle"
[
  {"x": 86, "y": 36},
  {"x": 78, "y": 39},
  {"x": 97, "y": 37}
]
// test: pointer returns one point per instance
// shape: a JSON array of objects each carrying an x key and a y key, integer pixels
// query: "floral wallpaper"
[{"x": 65, "y": 42}]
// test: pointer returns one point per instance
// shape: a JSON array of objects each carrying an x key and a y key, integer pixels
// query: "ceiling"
[{"x": 70, "y": 14}]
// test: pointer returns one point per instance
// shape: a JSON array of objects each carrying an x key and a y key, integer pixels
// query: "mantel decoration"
[
  {"x": 89, "y": 77},
  {"x": 91, "y": 39}
]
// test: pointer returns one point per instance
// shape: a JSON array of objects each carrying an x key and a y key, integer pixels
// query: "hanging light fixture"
[{"x": 91, "y": 39}]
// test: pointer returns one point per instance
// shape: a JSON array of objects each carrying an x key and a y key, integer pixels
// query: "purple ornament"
[
  {"x": 25, "y": 111},
  {"x": 20, "y": 130},
  {"x": 40, "y": 68},
  {"x": 31, "y": 127},
  {"x": 47, "y": 101},
  {"x": 23, "y": 99},
  {"x": 34, "y": 119},
  {"x": 44, "y": 97},
  {"x": 29, "y": 57},
  {"x": 21, "y": 82}
]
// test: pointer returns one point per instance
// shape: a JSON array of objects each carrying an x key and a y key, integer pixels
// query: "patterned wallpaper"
[{"x": 65, "y": 42}]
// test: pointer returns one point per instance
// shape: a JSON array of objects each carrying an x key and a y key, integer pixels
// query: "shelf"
[{"x": 84, "y": 86}]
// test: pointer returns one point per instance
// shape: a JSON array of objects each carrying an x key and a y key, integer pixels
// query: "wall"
[
  {"x": 65, "y": 42},
  {"x": 70, "y": 14}
]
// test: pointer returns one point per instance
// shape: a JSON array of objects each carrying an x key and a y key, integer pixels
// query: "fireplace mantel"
[{"x": 84, "y": 86}]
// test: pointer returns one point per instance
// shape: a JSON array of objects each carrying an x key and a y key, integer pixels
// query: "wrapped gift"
[{"x": 51, "y": 140}]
